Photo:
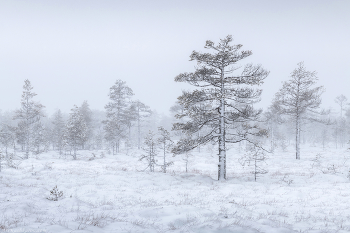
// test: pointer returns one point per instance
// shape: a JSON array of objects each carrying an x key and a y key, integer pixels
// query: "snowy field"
[{"x": 112, "y": 194}]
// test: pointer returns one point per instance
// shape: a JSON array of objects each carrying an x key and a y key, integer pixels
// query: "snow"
[{"x": 111, "y": 194}]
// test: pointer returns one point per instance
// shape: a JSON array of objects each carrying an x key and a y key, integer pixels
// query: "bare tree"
[
  {"x": 341, "y": 100},
  {"x": 223, "y": 99},
  {"x": 29, "y": 114},
  {"x": 298, "y": 99}
]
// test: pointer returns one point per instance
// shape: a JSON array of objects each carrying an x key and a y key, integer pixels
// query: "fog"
[
  {"x": 73, "y": 51},
  {"x": 115, "y": 164}
]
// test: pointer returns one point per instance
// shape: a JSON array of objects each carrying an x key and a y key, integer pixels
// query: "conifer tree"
[
  {"x": 131, "y": 114},
  {"x": 273, "y": 119},
  {"x": 341, "y": 100},
  {"x": 58, "y": 130},
  {"x": 39, "y": 138},
  {"x": 116, "y": 113},
  {"x": 299, "y": 99},
  {"x": 222, "y": 101},
  {"x": 29, "y": 114},
  {"x": 87, "y": 115},
  {"x": 166, "y": 144},
  {"x": 7, "y": 137},
  {"x": 21, "y": 135},
  {"x": 151, "y": 150},
  {"x": 75, "y": 133},
  {"x": 142, "y": 111},
  {"x": 254, "y": 157}
]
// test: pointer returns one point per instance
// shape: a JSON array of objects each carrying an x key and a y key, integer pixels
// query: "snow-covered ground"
[{"x": 112, "y": 194}]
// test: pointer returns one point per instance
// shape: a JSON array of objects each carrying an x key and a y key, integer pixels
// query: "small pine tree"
[
  {"x": 341, "y": 100},
  {"x": 58, "y": 131},
  {"x": 166, "y": 145},
  {"x": 55, "y": 194},
  {"x": 255, "y": 156},
  {"x": 75, "y": 133},
  {"x": 29, "y": 114},
  {"x": 186, "y": 157},
  {"x": 150, "y": 147},
  {"x": 87, "y": 115},
  {"x": 142, "y": 111},
  {"x": 7, "y": 136},
  {"x": 39, "y": 138}
]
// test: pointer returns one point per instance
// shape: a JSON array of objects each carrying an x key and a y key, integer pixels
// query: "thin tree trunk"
[
  {"x": 272, "y": 140},
  {"x": 14, "y": 148},
  {"x": 27, "y": 142},
  {"x": 164, "y": 169},
  {"x": 27, "y": 126},
  {"x": 138, "y": 129},
  {"x": 297, "y": 138},
  {"x": 255, "y": 169},
  {"x": 222, "y": 149}
]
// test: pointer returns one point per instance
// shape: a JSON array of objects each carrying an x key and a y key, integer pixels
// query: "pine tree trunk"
[
  {"x": 222, "y": 149},
  {"x": 164, "y": 169},
  {"x": 255, "y": 169},
  {"x": 74, "y": 150},
  {"x": 297, "y": 137},
  {"x": 27, "y": 143},
  {"x": 272, "y": 140},
  {"x": 27, "y": 128},
  {"x": 138, "y": 130},
  {"x": 14, "y": 148}
]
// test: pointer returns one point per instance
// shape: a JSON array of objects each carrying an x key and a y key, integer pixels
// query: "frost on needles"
[{"x": 221, "y": 108}]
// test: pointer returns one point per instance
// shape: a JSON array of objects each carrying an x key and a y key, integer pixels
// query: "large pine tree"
[{"x": 222, "y": 99}]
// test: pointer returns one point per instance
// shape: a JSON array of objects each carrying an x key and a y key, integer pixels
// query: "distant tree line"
[{"x": 124, "y": 122}]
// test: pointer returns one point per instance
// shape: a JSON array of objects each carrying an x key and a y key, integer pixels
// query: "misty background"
[{"x": 73, "y": 51}]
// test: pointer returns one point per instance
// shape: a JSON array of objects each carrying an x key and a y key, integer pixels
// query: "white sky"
[{"x": 73, "y": 51}]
